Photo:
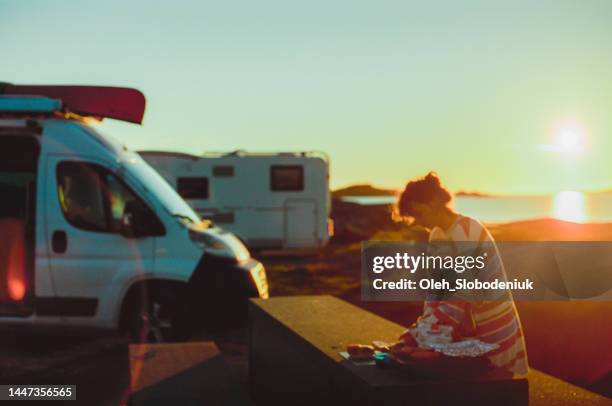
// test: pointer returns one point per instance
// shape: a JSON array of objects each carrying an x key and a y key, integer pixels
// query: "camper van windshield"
[{"x": 157, "y": 186}]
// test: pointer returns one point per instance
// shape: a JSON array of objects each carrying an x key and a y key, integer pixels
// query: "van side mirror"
[{"x": 140, "y": 221}]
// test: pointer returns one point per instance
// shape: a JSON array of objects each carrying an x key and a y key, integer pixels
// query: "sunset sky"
[{"x": 500, "y": 97}]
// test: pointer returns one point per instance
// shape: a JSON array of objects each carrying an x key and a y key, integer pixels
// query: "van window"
[
  {"x": 80, "y": 195},
  {"x": 91, "y": 197},
  {"x": 286, "y": 178},
  {"x": 119, "y": 197},
  {"x": 223, "y": 171},
  {"x": 193, "y": 187}
]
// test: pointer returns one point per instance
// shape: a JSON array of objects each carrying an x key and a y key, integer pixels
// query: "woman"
[{"x": 426, "y": 201}]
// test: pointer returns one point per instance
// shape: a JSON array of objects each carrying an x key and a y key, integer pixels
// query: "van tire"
[{"x": 156, "y": 313}]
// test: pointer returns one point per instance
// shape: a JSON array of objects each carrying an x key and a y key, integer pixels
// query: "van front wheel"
[{"x": 157, "y": 314}]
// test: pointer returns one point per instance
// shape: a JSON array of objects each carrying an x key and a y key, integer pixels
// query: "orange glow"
[
  {"x": 12, "y": 259},
  {"x": 16, "y": 269},
  {"x": 16, "y": 289}
]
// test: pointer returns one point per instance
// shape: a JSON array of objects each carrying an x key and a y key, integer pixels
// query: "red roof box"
[{"x": 120, "y": 103}]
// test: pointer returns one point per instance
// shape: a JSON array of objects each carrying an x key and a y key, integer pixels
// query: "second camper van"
[{"x": 269, "y": 200}]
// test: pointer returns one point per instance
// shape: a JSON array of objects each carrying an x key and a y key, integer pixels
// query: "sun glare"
[
  {"x": 568, "y": 137},
  {"x": 570, "y": 206}
]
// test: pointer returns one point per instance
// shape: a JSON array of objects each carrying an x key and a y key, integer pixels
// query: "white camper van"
[
  {"x": 269, "y": 200},
  {"x": 91, "y": 235}
]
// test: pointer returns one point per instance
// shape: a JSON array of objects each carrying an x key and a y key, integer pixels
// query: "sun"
[{"x": 568, "y": 137}]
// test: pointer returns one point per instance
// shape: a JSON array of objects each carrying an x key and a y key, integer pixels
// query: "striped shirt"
[{"x": 489, "y": 321}]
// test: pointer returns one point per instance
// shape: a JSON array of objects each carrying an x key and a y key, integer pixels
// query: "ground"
[{"x": 568, "y": 340}]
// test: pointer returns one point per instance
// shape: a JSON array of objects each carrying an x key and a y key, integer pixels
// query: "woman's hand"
[{"x": 408, "y": 339}]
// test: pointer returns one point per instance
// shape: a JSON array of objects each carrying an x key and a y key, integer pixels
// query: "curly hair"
[{"x": 422, "y": 190}]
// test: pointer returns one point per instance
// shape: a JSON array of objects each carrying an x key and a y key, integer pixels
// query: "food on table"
[
  {"x": 381, "y": 346},
  {"x": 360, "y": 351}
]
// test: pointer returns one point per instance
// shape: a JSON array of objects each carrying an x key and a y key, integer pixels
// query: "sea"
[{"x": 574, "y": 206}]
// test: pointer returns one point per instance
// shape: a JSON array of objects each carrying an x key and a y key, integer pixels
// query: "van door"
[
  {"x": 91, "y": 261},
  {"x": 19, "y": 155},
  {"x": 300, "y": 223}
]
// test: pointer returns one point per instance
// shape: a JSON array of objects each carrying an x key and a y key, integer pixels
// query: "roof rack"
[
  {"x": 33, "y": 104},
  {"x": 119, "y": 103}
]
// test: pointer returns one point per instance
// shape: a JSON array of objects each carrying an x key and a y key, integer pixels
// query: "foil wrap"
[{"x": 464, "y": 348}]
